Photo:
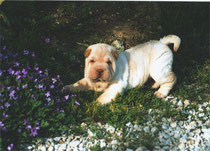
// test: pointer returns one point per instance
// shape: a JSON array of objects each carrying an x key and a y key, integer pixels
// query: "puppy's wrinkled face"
[{"x": 100, "y": 63}]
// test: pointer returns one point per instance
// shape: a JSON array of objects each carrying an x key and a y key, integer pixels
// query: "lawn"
[{"x": 41, "y": 50}]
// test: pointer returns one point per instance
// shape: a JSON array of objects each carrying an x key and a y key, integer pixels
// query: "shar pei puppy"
[{"x": 112, "y": 72}]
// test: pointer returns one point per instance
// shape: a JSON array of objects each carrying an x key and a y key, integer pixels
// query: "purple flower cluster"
[
  {"x": 26, "y": 84},
  {"x": 10, "y": 147},
  {"x": 33, "y": 130}
]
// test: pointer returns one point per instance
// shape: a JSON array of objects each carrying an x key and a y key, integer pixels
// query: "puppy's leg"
[
  {"x": 166, "y": 85},
  {"x": 110, "y": 93},
  {"x": 155, "y": 85},
  {"x": 81, "y": 85}
]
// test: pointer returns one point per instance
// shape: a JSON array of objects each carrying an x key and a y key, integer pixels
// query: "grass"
[{"x": 71, "y": 28}]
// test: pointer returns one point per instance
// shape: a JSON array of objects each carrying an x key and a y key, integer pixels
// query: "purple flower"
[
  {"x": 10, "y": 147},
  {"x": 35, "y": 80},
  {"x": 52, "y": 86},
  {"x": 12, "y": 93},
  {"x": 18, "y": 77},
  {"x": 47, "y": 40},
  {"x": 34, "y": 130},
  {"x": 74, "y": 96},
  {"x": 48, "y": 99},
  {"x": 26, "y": 52},
  {"x": 77, "y": 103},
  {"x": 11, "y": 71},
  {"x": 1, "y": 124},
  {"x": 32, "y": 96},
  {"x": 17, "y": 72},
  {"x": 28, "y": 127},
  {"x": 33, "y": 54},
  {"x": 4, "y": 47},
  {"x": 36, "y": 68},
  {"x": 37, "y": 123},
  {"x": 66, "y": 97},
  {"x": 25, "y": 121},
  {"x": 18, "y": 88},
  {"x": 47, "y": 94},
  {"x": 24, "y": 71},
  {"x": 1, "y": 72},
  {"x": 28, "y": 67},
  {"x": 57, "y": 109},
  {"x": 40, "y": 86},
  {"x": 54, "y": 80},
  {"x": 24, "y": 86},
  {"x": 33, "y": 133},
  {"x": 16, "y": 64},
  {"x": 40, "y": 72},
  {"x": 15, "y": 55},
  {"x": 5, "y": 115}
]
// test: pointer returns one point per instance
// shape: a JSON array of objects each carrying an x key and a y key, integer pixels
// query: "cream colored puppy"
[{"x": 113, "y": 72}]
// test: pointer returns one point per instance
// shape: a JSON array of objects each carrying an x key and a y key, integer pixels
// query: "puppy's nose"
[{"x": 100, "y": 71}]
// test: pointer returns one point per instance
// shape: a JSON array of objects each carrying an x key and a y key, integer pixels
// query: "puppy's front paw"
[
  {"x": 155, "y": 85},
  {"x": 102, "y": 100},
  {"x": 159, "y": 95}
]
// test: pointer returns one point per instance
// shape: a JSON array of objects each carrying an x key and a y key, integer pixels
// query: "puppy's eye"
[
  {"x": 109, "y": 62},
  {"x": 92, "y": 61}
]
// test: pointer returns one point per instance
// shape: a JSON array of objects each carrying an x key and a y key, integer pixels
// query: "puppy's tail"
[{"x": 171, "y": 39}]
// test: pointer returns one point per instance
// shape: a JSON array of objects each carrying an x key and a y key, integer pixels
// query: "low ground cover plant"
[{"x": 31, "y": 100}]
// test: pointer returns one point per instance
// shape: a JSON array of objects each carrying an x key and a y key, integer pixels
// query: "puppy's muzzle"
[{"x": 99, "y": 72}]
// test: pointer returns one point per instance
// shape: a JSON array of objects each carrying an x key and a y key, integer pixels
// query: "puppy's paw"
[
  {"x": 155, "y": 85},
  {"x": 159, "y": 95},
  {"x": 102, "y": 100}
]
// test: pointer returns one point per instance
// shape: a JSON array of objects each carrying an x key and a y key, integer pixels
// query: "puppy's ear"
[
  {"x": 114, "y": 54},
  {"x": 87, "y": 52}
]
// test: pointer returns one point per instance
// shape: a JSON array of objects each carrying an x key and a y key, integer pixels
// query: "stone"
[
  {"x": 42, "y": 148},
  {"x": 154, "y": 130},
  {"x": 111, "y": 129},
  {"x": 56, "y": 139},
  {"x": 51, "y": 148},
  {"x": 129, "y": 124},
  {"x": 181, "y": 146},
  {"x": 176, "y": 135},
  {"x": 136, "y": 127},
  {"x": 180, "y": 104},
  {"x": 114, "y": 147},
  {"x": 173, "y": 124},
  {"x": 128, "y": 149},
  {"x": 165, "y": 126},
  {"x": 90, "y": 133},
  {"x": 198, "y": 131},
  {"x": 186, "y": 103},
  {"x": 57, "y": 146},
  {"x": 63, "y": 147},
  {"x": 30, "y": 147},
  {"x": 74, "y": 143},
  {"x": 114, "y": 142},
  {"x": 192, "y": 124},
  {"x": 102, "y": 143},
  {"x": 147, "y": 129},
  {"x": 83, "y": 124},
  {"x": 141, "y": 149}
]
